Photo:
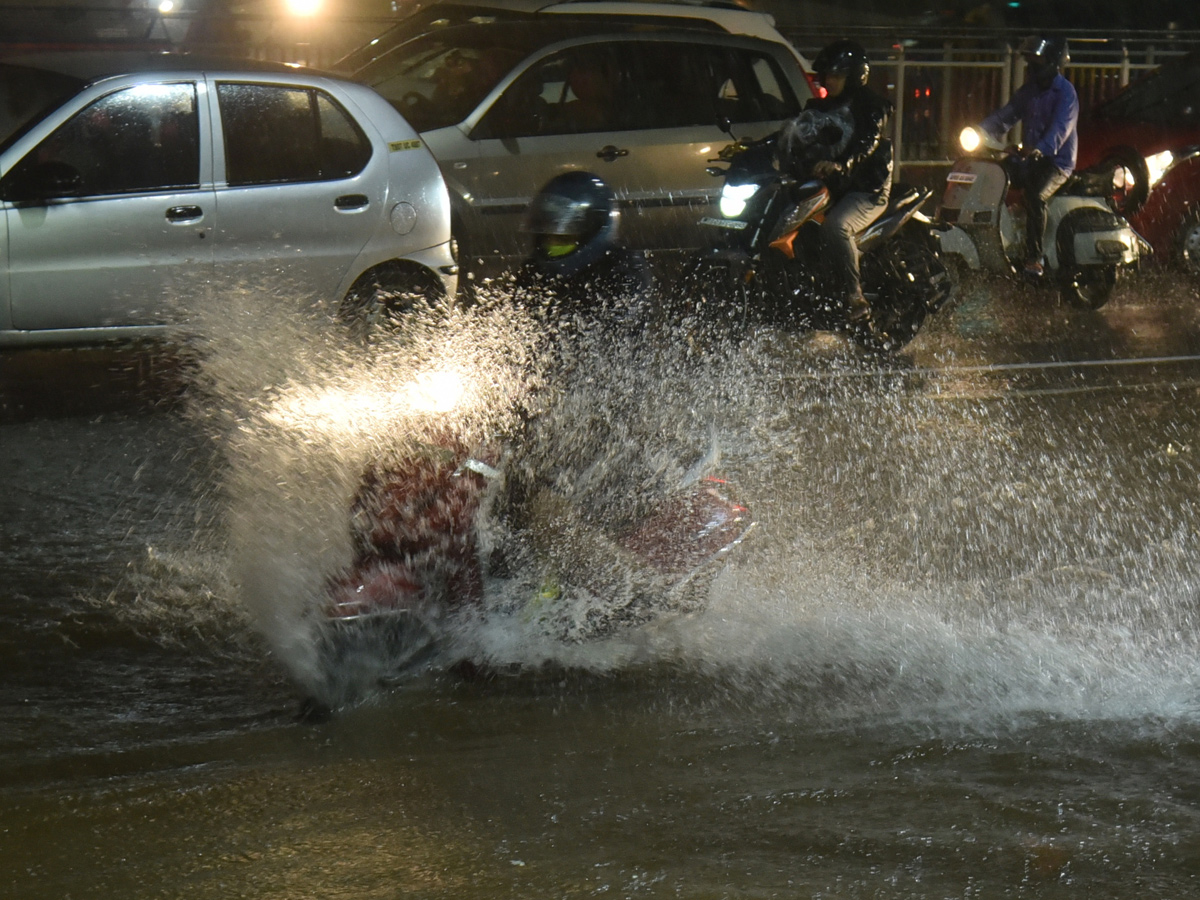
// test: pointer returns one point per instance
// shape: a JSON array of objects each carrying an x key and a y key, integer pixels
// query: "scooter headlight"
[
  {"x": 734, "y": 198},
  {"x": 435, "y": 392},
  {"x": 1158, "y": 164},
  {"x": 970, "y": 139}
]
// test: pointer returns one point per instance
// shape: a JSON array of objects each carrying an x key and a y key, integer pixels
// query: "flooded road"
[{"x": 958, "y": 659}]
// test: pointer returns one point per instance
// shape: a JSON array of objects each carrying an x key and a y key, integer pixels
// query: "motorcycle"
[
  {"x": 424, "y": 559},
  {"x": 771, "y": 259},
  {"x": 1088, "y": 246}
]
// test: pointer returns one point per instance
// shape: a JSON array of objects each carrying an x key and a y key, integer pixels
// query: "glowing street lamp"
[{"x": 303, "y": 8}]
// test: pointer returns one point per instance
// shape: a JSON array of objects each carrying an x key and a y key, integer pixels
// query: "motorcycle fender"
[
  {"x": 1086, "y": 232},
  {"x": 958, "y": 242}
]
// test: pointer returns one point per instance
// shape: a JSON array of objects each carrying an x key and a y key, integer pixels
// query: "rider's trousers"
[
  {"x": 1038, "y": 179},
  {"x": 845, "y": 219}
]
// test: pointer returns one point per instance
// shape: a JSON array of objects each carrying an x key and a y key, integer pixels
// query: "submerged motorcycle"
[
  {"x": 1088, "y": 246},
  {"x": 770, "y": 268},
  {"x": 425, "y": 559}
]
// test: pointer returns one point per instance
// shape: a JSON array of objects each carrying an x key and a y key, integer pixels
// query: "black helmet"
[
  {"x": 1042, "y": 52},
  {"x": 846, "y": 58},
  {"x": 573, "y": 220}
]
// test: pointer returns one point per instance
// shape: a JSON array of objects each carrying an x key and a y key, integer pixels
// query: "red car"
[{"x": 1151, "y": 130}]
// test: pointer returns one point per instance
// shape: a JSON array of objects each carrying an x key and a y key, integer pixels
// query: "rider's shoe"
[
  {"x": 860, "y": 318},
  {"x": 1034, "y": 269}
]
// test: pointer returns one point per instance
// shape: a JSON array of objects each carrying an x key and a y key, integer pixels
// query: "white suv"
[
  {"x": 443, "y": 13},
  {"x": 507, "y": 100}
]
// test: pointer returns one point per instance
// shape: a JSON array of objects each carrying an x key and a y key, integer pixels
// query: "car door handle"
[
  {"x": 185, "y": 214},
  {"x": 609, "y": 153},
  {"x": 348, "y": 202}
]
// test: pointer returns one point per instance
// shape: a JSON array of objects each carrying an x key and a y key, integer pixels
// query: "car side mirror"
[{"x": 41, "y": 181}]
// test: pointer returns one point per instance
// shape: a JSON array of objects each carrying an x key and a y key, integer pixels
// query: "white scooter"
[{"x": 1087, "y": 245}]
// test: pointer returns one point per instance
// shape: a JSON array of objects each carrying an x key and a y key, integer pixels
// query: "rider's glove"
[{"x": 826, "y": 167}]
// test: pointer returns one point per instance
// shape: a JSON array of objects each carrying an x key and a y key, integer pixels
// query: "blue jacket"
[{"x": 1049, "y": 117}]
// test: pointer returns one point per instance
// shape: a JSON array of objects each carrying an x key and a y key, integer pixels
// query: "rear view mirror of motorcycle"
[{"x": 726, "y": 125}]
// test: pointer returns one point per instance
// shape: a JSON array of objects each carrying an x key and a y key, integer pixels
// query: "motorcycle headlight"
[
  {"x": 734, "y": 198},
  {"x": 970, "y": 139},
  {"x": 1158, "y": 165}
]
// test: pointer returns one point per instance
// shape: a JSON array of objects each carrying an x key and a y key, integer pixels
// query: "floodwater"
[{"x": 957, "y": 659}]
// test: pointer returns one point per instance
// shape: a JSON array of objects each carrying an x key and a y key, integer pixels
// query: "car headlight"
[
  {"x": 1158, "y": 164},
  {"x": 734, "y": 198}
]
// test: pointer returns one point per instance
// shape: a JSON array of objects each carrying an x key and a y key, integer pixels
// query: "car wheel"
[
  {"x": 1189, "y": 245},
  {"x": 384, "y": 297}
]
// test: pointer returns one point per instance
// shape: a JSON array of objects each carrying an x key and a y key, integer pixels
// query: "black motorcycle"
[{"x": 770, "y": 266}]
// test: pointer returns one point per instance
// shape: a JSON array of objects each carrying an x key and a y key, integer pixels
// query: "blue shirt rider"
[{"x": 1048, "y": 108}]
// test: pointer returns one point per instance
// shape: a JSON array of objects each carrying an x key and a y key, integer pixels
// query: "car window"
[
  {"x": 640, "y": 85},
  {"x": 1168, "y": 96},
  {"x": 142, "y": 138},
  {"x": 29, "y": 95},
  {"x": 698, "y": 84},
  {"x": 438, "y": 80},
  {"x": 577, "y": 91},
  {"x": 279, "y": 135}
]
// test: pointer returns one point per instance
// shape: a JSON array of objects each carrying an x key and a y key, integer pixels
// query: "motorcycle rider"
[
  {"x": 576, "y": 264},
  {"x": 860, "y": 176},
  {"x": 1048, "y": 109}
]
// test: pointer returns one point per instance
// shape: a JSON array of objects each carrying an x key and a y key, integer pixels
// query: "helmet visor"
[{"x": 556, "y": 246}]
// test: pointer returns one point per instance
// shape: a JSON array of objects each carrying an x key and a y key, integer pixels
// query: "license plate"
[
  {"x": 733, "y": 224},
  {"x": 962, "y": 177}
]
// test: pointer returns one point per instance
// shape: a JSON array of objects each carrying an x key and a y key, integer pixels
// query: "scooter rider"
[
  {"x": 577, "y": 264},
  {"x": 1048, "y": 108},
  {"x": 860, "y": 177}
]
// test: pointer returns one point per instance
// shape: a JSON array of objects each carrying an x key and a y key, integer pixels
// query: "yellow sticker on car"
[{"x": 394, "y": 146}]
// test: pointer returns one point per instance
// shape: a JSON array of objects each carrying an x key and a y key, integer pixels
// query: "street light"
[{"x": 303, "y": 8}]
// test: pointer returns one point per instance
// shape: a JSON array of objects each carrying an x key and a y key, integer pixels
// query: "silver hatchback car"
[
  {"x": 132, "y": 185},
  {"x": 506, "y": 105}
]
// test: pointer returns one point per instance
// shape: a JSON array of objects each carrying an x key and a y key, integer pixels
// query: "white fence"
[{"x": 937, "y": 90}]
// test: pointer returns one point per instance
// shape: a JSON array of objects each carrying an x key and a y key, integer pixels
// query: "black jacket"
[
  {"x": 614, "y": 288},
  {"x": 866, "y": 163}
]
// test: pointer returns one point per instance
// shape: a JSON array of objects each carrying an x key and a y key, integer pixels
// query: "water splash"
[{"x": 933, "y": 542}]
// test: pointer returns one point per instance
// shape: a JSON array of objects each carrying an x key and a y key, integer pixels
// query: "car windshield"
[
  {"x": 1169, "y": 95},
  {"x": 433, "y": 18},
  {"x": 438, "y": 79},
  {"x": 29, "y": 95}
]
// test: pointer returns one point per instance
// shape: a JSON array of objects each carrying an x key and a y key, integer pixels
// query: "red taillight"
[{"x": 816, "y": 87}]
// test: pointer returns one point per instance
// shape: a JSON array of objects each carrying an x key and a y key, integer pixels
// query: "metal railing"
[{"x": 941, "y": 85}]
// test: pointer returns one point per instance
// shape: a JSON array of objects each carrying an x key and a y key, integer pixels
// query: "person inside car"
[
  {"x": 859, "y": 176},
  {"x": 1048, "y": 108}
]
